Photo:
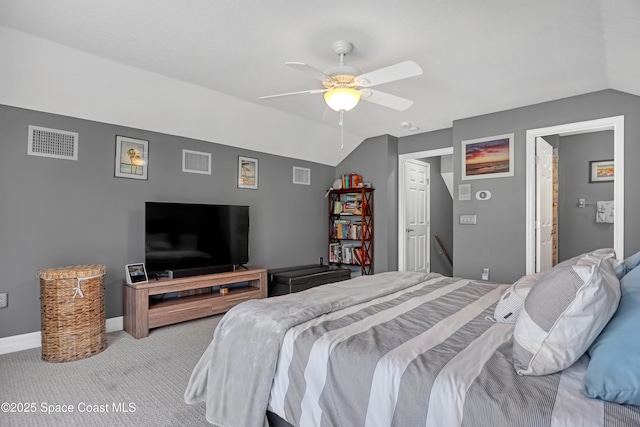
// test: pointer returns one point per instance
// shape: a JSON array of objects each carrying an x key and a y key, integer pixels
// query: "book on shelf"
[
  {"x": 358, "y": 256},
  {"x": 351, "y": 180},
  {"x": 340, "y": 228},
  {"x": 337, "y": 207},
  {"x": 351, "y": 254},
  {"x": 352, "y": 203},
  {"x": 347, "y": 252},
  {"x": 335, "y": 253},
  {"x": 344, "y": 229}
]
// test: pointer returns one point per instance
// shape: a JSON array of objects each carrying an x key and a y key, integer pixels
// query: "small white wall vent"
[
  {"x": 55, "y": 143},
  {"x": 196, "y": 162},
  {"x": 301, "y": 176}
]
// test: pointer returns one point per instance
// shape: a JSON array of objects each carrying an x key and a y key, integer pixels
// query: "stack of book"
[{"x": 351, "y": 203}]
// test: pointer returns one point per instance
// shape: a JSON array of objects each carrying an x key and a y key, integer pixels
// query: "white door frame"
[
  {"x": 401, "y": 226},
  {"x": 616, "y": 124}
]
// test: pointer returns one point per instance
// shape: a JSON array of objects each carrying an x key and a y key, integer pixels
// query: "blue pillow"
[
  {"x": 631, "y": 262},
  {"x": 623, "y": 266},
  {"x": 613, "y": 373}
]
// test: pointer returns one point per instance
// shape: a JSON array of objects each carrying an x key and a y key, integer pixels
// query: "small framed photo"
[
  {"x": 490, "y": 157},
  {"x": 247, "y": 173},
  {"x": 601, "y": 171},
  {"x": 132, "y": 157},
  {"x": 136, "y": 274}
]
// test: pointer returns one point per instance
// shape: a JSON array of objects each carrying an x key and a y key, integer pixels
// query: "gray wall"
[
  {"x": 61, "y": 212},
  {"x": 498, "y": 240},
  {"x": 376, "y": 159},
  {"x": 441, "y": 217},
  {"x": 578, "y": 231},
  {"x": 442, "y": 138}
]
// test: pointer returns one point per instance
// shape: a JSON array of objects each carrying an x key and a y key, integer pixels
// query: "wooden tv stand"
[{"x": 195, "y": 298}]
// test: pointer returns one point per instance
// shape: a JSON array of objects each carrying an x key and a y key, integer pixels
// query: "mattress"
[{"x": 425, "y": 356}]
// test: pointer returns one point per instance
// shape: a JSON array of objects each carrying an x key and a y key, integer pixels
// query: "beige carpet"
[{"x": 131, "y": 383}]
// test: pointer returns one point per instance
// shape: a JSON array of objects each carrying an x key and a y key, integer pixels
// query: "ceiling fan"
[{"x": 344, "y": 86}]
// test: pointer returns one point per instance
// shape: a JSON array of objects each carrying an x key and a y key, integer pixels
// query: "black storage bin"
[{"x": 295, "y": 279}]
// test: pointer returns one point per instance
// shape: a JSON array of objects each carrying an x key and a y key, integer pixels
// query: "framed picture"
[
  {"x": 132, "y": 157},
  {"x": 601, "y": 171},
  {"x": 490, "y": 157},
  {"x": 136, "y": 274},
  {"x": 247, "y": 173}
]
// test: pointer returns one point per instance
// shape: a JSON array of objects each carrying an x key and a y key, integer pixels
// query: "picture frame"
[
  {"x": 132, "y": 158},
  {"x": 601, "y": 171},
  {"x": 490, "y": 157},
  {"x": 136, "y": 274},
  {"x": 247, "y": 173}
]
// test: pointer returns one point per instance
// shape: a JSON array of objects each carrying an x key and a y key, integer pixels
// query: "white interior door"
[
  {"x": 544, "y": 205},
  {"x": 416, "y": 216}
]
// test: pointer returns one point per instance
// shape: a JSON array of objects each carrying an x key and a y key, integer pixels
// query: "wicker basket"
[{"x": 72, "y": 307}]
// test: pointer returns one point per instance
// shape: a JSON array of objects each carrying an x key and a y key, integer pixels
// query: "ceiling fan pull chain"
[{"x": 342, "y": 128}]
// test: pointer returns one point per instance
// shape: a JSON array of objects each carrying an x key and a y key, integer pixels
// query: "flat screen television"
[{"x": 189, "y": 239}]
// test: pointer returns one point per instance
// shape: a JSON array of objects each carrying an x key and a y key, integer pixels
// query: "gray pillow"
[{"x": 564, "y": 313}]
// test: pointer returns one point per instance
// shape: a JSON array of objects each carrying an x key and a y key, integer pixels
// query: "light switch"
[
  {"x": 467, "y": 219},
  {"x": 464, "y": 191}
]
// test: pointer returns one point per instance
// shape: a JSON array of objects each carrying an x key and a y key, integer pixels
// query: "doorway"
[
  {"x": 403, "y": 207},
  {"x": 417, "y": 209},
  {"x": 544, "y": 205},
  {"x": 616, "y": 124}
]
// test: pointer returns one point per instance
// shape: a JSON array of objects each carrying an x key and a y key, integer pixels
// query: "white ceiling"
[{"x": 478, "y": 56}]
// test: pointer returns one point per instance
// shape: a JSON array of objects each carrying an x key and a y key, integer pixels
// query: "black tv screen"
[{"x": 195, "y": 238}]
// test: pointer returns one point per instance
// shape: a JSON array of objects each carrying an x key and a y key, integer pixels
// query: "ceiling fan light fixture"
[{"x": 342, "y": 99}]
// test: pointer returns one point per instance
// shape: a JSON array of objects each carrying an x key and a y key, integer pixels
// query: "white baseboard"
[{"x": 34, "y": 339}]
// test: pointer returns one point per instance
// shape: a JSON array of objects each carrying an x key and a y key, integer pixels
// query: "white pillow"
[
  {"x": 564, "y": 313},
  {"x": 512, "y": 299}
]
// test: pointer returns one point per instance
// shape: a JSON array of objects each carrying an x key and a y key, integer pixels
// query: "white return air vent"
[
  {"x": 196, "y": 162},
  {"x": 301, "y": 176},
  {"x": 58, "y": 144}
]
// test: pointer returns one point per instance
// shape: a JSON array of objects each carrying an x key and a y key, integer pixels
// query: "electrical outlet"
[
  {"x": 4, "y": 300},
  {"x": 321, "y": 261},
  {"x": 485, "y": 274}
]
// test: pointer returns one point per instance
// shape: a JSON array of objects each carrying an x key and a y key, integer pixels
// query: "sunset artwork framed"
[
  {"x": 601, "y": 171},
  {"x": 490, "y": 157}
]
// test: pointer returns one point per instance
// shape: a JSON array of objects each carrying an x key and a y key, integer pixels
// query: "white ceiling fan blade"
[
  {"x": 294, "y": 93},
  {"x": 400, "y": 71},
  {"x": 385, "y": 99},
  {"x": 308, "y": 69}
]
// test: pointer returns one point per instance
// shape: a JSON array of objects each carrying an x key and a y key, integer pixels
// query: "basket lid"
[{"x": 72, "y": 272}]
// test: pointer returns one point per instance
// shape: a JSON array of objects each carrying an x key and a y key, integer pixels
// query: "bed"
[{"x": 392, "y": 349}]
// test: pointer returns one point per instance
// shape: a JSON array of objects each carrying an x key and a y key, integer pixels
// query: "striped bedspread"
[{"x": 423, "y": 356}]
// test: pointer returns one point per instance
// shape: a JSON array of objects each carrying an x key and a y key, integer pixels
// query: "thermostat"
[{"x": 483, "y": 195}]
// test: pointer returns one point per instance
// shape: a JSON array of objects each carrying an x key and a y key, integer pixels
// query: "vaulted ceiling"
[{"x": 477, "y": 56}]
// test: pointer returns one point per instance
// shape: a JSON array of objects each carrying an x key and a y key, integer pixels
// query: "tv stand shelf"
[{"x": 195, "y": 298}]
